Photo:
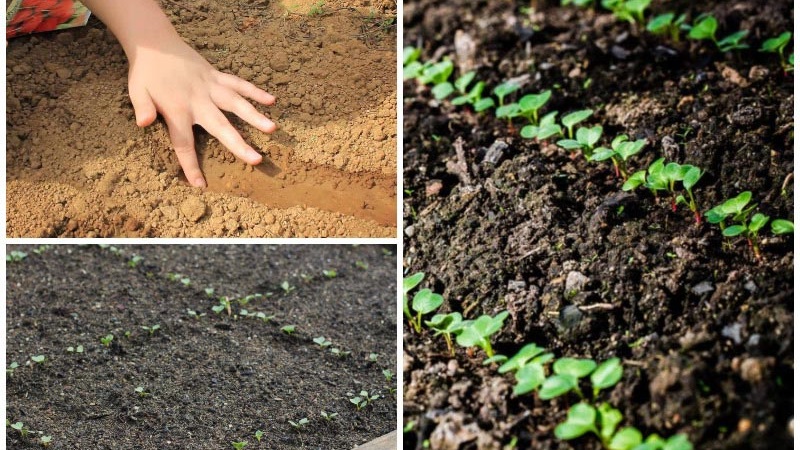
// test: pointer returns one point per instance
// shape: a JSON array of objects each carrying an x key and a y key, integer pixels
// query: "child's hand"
[{"x": 182, "y": 86}]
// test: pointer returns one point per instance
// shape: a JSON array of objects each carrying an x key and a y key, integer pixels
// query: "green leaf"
[
  {"x": 691, "y": 177},
  {"x": 445, "y": 323},
  {"x": 732, "y": 41},
  {"x": 678, "y": 442},
  {"x": 519, "y": 360},
  {"x": 757, "y": 222},
  {"x": 572, "y": 119},
  {"x": 776, "y": 44},
  {"x": 532, "y": 102},
  {"x": 436, "y": 73},
  {"x": 609, "y": 419},
  {"x": 736, "y": 204},
  {"x": 529, "y": 131},
  {"x": 634, "y": 181},
  {"x": 442, "y": 90},
  {"x": 529, "y": 378},
  {"x": 477, "y": 90},
  {"x": 413, "y": 70},
  {"x": 782, "y": 226},
  {"x": 601, "y": 154},
  {"x": 733, "y": 230},
  {"x": 461, "y": 100},
  {"x": 412, "y": 281},
  {"x": 426, "y": 301},
  {"x": 626, "y": 439},
  {"x": 574, "y": 367},
  {"x": 628, "y": 149},
  {"x": 607, "y": 374},
  {"x": 503, "y": 89},
  {"x": 496, "y": 359},
  {"x": 38, "y": 358},
  {"x": 704, "y": 28},
  {"x": 589, "y": 136},
  {"x": 580, "y": 420},
  {"x": 484, "y": 104},
  {"x": 569, "y": 144},
  {"x": 410, "y": 54},
  {"x": 507, "y": 111},
  {"x": 557, "y": 385},
  {"x": 715, "y": 215},
  {"x": 661, "y": 23},
  {"x": 463, "y": 81},
  {"x": 673, "y": 171},
  {"x": 547, "y": 131}
]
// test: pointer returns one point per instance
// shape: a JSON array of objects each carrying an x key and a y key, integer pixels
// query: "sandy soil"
[{"x": 78, "y": 165}]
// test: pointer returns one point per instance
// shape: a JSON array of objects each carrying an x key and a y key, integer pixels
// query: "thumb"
[{"x": 143, "y": 106}]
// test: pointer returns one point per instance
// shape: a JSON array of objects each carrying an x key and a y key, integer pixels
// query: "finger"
[
  {"x": 180, "y": 133},
  {"x": 233, "y": 102},
  {"x": 246, "y": 88},
  {"x": 143, "y": 106},
  {"x": 217, "y": 124}
]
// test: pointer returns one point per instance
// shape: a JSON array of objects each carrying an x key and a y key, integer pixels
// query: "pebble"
[
  {"x": 516, "y": 285},
  {"x": 193, "y": 208},
  {"x": 409, "y": 230},
  {"x": 702, "y": 288},
  {"x": 733, "y": 332},
  {"x": 433, "y": 187},
  {"x": 752, "y": 370},
  {"x": 575, "y": 283},
  {"x": 570, "y": 316},
  {"x": 495, "y": 153}
]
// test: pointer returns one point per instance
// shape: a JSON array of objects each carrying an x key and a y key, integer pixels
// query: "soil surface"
[
  {"x": 705, "y": 331},
  {"x": 208, "y": 380},
  {"x": 79, "y": 166}
]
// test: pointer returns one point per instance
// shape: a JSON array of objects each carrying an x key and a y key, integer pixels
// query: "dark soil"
[
  {"x": 706, "y": 331},
  {"x": 212, "y": 380}
]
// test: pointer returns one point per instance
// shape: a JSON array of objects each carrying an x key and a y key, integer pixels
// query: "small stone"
[
  {"x": 744, "y": 425},
  {"x": 409, "y": 230},
  {"x": 516, "y": 285},
  {"x": 433, "y": 187},
  {"x": 733, "y": 332},
  {"x": 702, "y": 288},
  {"x": 575, "y": 283},
  {"x": 753, "y": 370},
  {"x": 570, "y": 316},
  {"x": 495, "y": 153},
  {"x": 193, "y": 208},
  {"x": 751, "y": 286},
  {"x": 758, "y": 73}
]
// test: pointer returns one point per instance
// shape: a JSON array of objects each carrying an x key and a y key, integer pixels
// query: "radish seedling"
[
  {"x": 502, "y": 90},
  {"x": 410, "y": 283},
  {"x": 20, "y": 427},
  {"x": 412, "y": 68},
  {"x": 259, "y": 434},
  {"x": 525, "y": 355},
  {"x": 11, "y": 368},
  {"x": 574, "y": 118},
  {"x": 363, "y": 399},
  {"x": 750, "y": 229},
  {"x": 567, "y": 373},
  {"x": 151, "y": 329},
  {"x": 446, "y": 325},
  {"x": 322, "y": 342},
  {"x": 621, "y": 149},
  {"x": 328, "y": 416},
  {"x": 782, "y": 226},
  {"x": 667, "y": 25},
  {"x": 330, "y": 273},
  {"x": 530, "y": 104},
  {"x": 242, "y": 444},
  {"x": 738, "y": 209},
  {"x": 299, "y": 424},
  {"x": 288, "y": 329},
  {"x": 425, "y": 301},
  {"x": 209, "y": 291},
  {"x": 373, "y": 357},
  {"x": 691, "y": 175},
  {"x": 606, "y": 375},
  {"x": 477, "y": 332},
  {"x": 78, "y": 349},
  {"x": 585, "y": 139},
  {"x": 777, "y": 45},
  {"x": 16, "y": 256},
  {"x": 106, "y": 340},
  {"x": 387, "y": 374},
  {"x": 46, "y": 441},
  {"x": 193, "y": 313},
  {"x": 363, "y": 265},
  {"x": 134, "y": 261},
  {"x": 140, "y": 390},
  {"x": 224, "y": 305},
  {"x": 287, "y": 288},
  {"x": 339, "y": 353},
  {"x": 628, "y": 10},
  {"x": 474, "y": 96},
  {"x": 705, "y": 28},
  {"x": 547, "y": 128}
]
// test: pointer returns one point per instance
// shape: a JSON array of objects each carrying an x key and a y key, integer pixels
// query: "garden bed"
[
  {"x": 498, "y": 222},
  {"x": 77, "y": 165},
  {"x": 207, "y": 379}
]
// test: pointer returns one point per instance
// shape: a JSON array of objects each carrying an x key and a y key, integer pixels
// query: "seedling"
[
  {"x": 373, "y": 357},
  {"x": 299, "y": 424},
  {"x": 530, "y": 104},
  {"x": 667, "y": 25},
  {"x": 240, "y": 445},
  {"x": 11, "y": 368},
  {"x": 287, "y": 288},
  {"x": 186, "y": 281},
  {"x": 425, "y": 301},
  {"x": 691, "y": 176},
  {"x": 363, "y": 265},
  {"x": 134, "y": 261},
  {"x": 578, "y": 3},
  {"x": 524, "y": 356},
  {"x": 567, "y": 373},
  {"x": 193, "y": 313},
  {"x": 628, "y": 10},
  {"x": 750, "y": 229},
  {"x": 738, "y": 210},
  {"x": 621, "y": 149},
  {"x": 782, "y": 226},
  {"x": 78, "y": 349},
  {"x": 264, "y": 317},
  {"x": 328, "y": 416},
  {"x": 410, "y": 283},
  {"x": 140, "y": 390},
  {"x": 606, "y": 375},
  {"x": 412, "y": 68},
  {"x": 330, "y": 273},
  {"x": 585, "y": 139},
  {"x": 502, "y": 90},
  {"x": 472, "y": 96},
  {"x": 20, "y": 427},
  {"x": 661, "y": 177},
  {"x": 224, "y": 305},
  {"x": 446, "y": 325},
  {"x": 247, "y": 299},
  {"x": 547, "y": 128},
  {"x": 387, "y": 374},
  {"x": 16, "y": 256},
  {"x": 363, "y": 399},
  {"x": 151, "y": 329},
  {"x": 288, "y": 329},
  {"x": 339, "y": 353},
  {"x": 777, "y": 45},
  {"x": 106, "y": 340},
  {"x": 209, "y": 291},
  {"x": 322, "y": 342},
  {"x": 259, "y": 434},
  {"x": 46, "y": 441},
  {"x": 477, "y": 332},
  {"x": 574, "y": 118},
  {"x": 705, "y": 28}
]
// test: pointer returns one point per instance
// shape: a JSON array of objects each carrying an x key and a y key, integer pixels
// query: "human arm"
[{"x": 167, "y": 76}]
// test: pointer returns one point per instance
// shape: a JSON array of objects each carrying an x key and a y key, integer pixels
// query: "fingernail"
[{"x": 199, "y": 182}]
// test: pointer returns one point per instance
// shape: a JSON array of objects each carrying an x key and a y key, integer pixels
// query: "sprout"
[
  {"x": 322, "y": 342},
  {"x": 106, "y": 340},
  {"x": 777, "y": 45},
  {"x": 387, "y": 374},
  {"x": 547, "y": 128},
  {"x": 224, "y": 305},
  {"x": 288, "y": 329},
  {"x": 287, "y": 288},
  {"x": 530, "y": 104},
  {"x": 574, "y": 118},
  {"x": 738, "y": 209},
  {"x": 425, "y": 301},
  {"x": 330, "y": 273},
  {"x": 299, "y": 424},
  {"x": 621, "y": 149},
  {"x": 504, "y": 89},
  {"x": 38, "y": 359},
  {"x": 259, "y": 434},
  {"x": 240, "y": 445},
  {"x": 628, "y": 10},
  {"x": 782, "y": 226},
  {"x": 140, "y": 390},
  {"x": 691, "y": 176},
  {"x": 11, "y": 368},
  {"x": 328, "y": 416},
  {"x": 606, "y": 375},
  {"x": 705, "y": 28},
  {"x": 410, "y": 283},
  {"x": 446, "y": 324},
  {"x": 477, "y": 332},
  {"x": 16, "y": 256},
  {"x": 667, "y": 24},
  {"x": 584, "y": 140},
  {"x": 472, "y": 96},
  {"x": 152, "y": 329}
]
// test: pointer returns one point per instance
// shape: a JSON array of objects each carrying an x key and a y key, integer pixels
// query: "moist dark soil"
[
  {"x": 210, "y": 380},
  {"x": 705, "y": 330}
]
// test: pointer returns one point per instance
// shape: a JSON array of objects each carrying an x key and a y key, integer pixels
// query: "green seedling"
[
  {"x": 530, "y": 104},
  {"x": 388, "y": 375},
  {"x": 328, "y": 416},
  {"x": 287, "y": 288},
  {"x": 578, "y": 3},
  {"x": 410, "y": 283},
  {"x": 78, "y": 349},
  {"x": 363, "y": 265},
  {"x": 373, "y": 357},
  {"x": 288, "y": 329},
  {"x": 777, "y": 45},
  {"x": 502, "y": 90},
  {"x": 38, "y": 359},
  {"x": 106, "y": 340},
  {"x": 322, "y": 342},
  {"x": 247, "y": 299},
  {"x": 738, "y": 209},
  {"x": 299, "y": 424},
  {"x": 667, "y": 25},
  {"x": 584, "y": 141},
  {"x": 11, "y": 368},
  {"x": 363, "y": 399},
  {"x": 264, "y": 317},
  {"x": 629, "y": 10},
  {"x": 134, "y": 261},
  {"x": 567, "y": 373},
  {"x": 240, "y": 445},
  {"x": 20, "y": 427},
  {"x": 259, "y": 434},
  {"x": 140, "y": 390},
  {"x": 750, "y": 230},
  {"x": 547, "y": 128},
  {"x": 574, "y": 118},
  {"x": 331, "y": 273},
  {"x": 224, "y": 305},
  {"x": 186, "y": 281},
  {"x": 46, "y": 441},
  {"x": 446, "y": 325},
  {"x": 691, "y": 175},
  {"x": 339, "y": 353},
  {"x": 621, "y": 149},
  {"x": 151, "y": 329},
  {"x": 209, "y": 291},
  {"x": 524, "y": 356},
  {"x": 606, "y": 375},
  {"x": 477, "y": 332},
  {"x": 306, "y": 277},
  {"x": 472, "y": 96},
  {"x": 425, "y": 301},
  {"x": 193, "y": 313},
  {"x": 705, "y": 28},
  {"x": 16, "y": 256},
  {"x": 782, "y": 226}
]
